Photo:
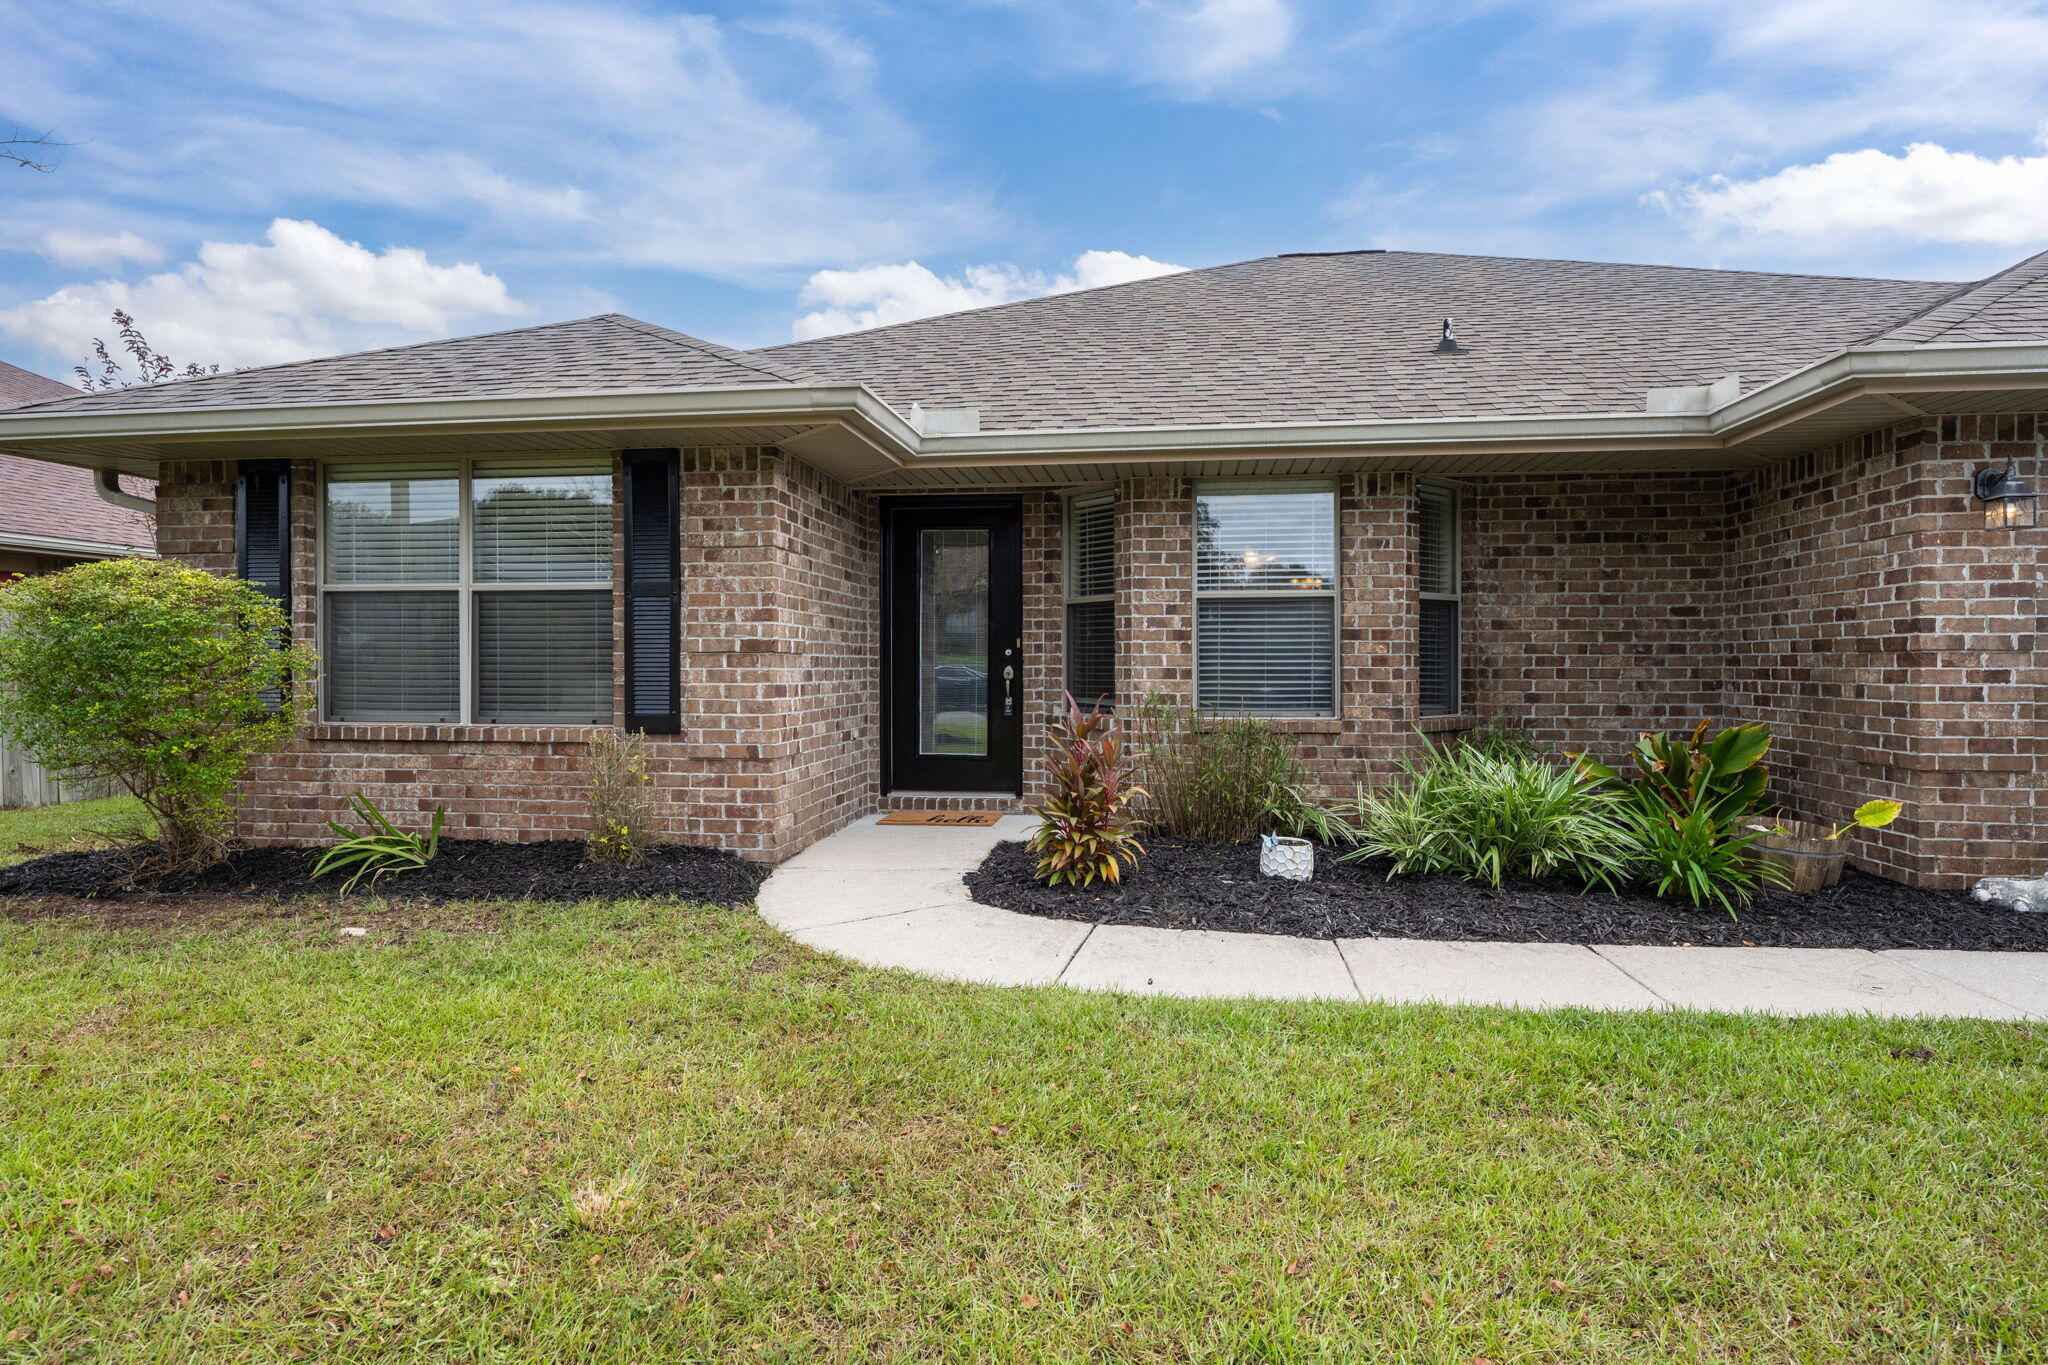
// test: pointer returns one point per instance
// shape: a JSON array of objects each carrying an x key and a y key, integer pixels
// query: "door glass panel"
[{"x": 952, "y": 642}]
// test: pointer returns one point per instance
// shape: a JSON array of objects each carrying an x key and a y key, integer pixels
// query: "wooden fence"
[{"x": 24, "y": 783}]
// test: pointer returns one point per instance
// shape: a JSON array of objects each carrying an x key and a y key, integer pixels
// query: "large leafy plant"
[
  {"x": 1489, "y": 815},
  {"x": 379, "y": 850},
  {"x": 1085, "y": 834},
  {"x": 1688, "y": 811},
  {"x": 162, "y": 678}
]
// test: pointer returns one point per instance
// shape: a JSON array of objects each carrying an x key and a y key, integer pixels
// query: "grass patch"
[
  {"x": 640, "y": 1131},
  {"x": 31, "y": 831}
]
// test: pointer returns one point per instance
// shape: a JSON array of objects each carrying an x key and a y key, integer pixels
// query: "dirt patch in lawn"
[
  {"x": 465, "y": 870},
  {"x": 1181, "y": 884}
]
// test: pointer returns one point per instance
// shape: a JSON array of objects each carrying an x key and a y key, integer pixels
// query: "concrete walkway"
[{"x": 891, "y": 896}]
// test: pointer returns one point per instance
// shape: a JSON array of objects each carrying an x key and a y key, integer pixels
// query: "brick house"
[{"x": 1362, "y": 493}]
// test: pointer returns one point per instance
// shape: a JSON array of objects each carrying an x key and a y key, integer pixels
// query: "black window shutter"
[
  {"x": 654, "y": 596},
  {"x": 263, "y": 526}
]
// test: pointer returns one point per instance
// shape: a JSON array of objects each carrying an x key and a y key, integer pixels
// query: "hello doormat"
[{"x": 940, "y": 817}]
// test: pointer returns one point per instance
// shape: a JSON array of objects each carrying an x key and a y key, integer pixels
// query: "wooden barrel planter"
[{"x": 1802, "y": 850}]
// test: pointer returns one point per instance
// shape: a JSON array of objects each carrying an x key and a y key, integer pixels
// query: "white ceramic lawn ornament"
[{"x": 1294, "y": 859}]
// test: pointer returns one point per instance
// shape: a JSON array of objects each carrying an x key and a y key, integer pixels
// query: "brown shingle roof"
[
  {"x": 56, "y": 501},
  {"x": 2009, "y": 306},
  {"x": 610, "y": 351},
  {"x": 19, "y": 386},
  {"x": 1354, "y": 335}
]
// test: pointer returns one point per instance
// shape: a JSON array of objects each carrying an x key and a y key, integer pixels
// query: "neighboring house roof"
[
  {"x": 1354, "y": 335},
  {"x": 49, "y": 506},
  {"x": 588, "y": 355}
]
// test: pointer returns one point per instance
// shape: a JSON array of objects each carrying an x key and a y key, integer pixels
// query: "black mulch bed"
[
  {"x": 465, "y": 869},
  {"x": 1181, "y": 884}
]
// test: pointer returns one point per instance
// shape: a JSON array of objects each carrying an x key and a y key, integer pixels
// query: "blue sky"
[{"x": 261, "y": 182}]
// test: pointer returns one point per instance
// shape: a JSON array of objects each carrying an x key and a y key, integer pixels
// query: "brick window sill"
[
  {"x": 378, "y": 732},
  {"x": 1441, "y": 725},
  {"x": 1286, "y": 725}
]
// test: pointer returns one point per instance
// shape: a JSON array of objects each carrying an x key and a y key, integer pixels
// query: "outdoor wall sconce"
[{"x": 2010, "y": 502}]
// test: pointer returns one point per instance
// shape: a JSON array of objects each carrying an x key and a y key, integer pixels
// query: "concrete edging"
[{"x": 892, "y": 896}]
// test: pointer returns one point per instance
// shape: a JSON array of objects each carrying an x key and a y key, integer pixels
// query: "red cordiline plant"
[{"x": 1085, "y": 836}]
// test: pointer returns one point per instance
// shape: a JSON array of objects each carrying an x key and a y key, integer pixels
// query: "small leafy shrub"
[
  {"x": 1487, "y": 817},
  {"x": 1222, "y": 780},
  {"x": 382, "y": 849},
  {"x": 1689, "y": 807},
  {"x": 164, "y": 679},
  {"x": 621, "y": 817},
  {"x": 1084, "y": 835}
]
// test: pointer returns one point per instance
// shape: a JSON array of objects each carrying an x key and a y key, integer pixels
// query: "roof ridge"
[
  {"x": 1018, "y": 303},
  {"x": 1624, "y": 265},
  {"x": 744, "y": 359},
  {"x": 345, "y": 355},
  {"x": 1968, "y": 300},
  {"x": 1359, "y": 251}
]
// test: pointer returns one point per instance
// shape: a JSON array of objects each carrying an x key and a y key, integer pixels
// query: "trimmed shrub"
[
  {"x": 1084, "y": 835},
  {"x": 165, "y": 679}
]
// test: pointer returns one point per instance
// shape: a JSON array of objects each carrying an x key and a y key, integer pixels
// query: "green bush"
[
  {"x": 1489, "y": 816},
  {"x": 1085, "y": 835},
  {"x": 165, "y": 679},
  {"x": 1220, "y": 779},
  {"x": 1689, "y": 810}
]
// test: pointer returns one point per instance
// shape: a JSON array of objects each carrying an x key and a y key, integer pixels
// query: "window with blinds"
[
  {"x": 1439, "y": 579},
  {"x": 1266, "y": 598},
  {"x": 1091, "y": 597},
  {"x": 468, "y": 590}
]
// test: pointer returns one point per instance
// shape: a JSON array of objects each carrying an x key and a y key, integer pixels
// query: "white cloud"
[
  {"x": 599, "y": 132},
  {"x": 67, "y": 246},
  {"x": 304, "y": 292},
  {"x": 879, "y": 295},
  {"x": 1929, "y": 194},
  {"x": 1195, "y": 48}
]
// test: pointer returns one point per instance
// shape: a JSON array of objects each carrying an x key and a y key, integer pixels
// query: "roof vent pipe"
[
  {"x": 1449, "y": 341},
  {"x": 107, "y": 484}
]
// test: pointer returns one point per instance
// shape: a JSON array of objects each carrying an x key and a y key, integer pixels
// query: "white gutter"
[
  {"x": 1843, "y": 376},
  {"x": 107, "y": 484},
  {"x": 61, "y": 545}
]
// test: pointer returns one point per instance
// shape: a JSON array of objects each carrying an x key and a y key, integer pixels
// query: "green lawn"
[
  {"x": 659, "y": 1133},
  {"x": 77, "y": 824}
]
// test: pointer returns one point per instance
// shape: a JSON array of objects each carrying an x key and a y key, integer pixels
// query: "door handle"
[{"x": 1009, "y": 673}]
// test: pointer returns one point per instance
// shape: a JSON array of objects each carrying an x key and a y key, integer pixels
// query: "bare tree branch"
[
  {"x": 151, "y": 365},
  {"x": 30, "y": 152}
]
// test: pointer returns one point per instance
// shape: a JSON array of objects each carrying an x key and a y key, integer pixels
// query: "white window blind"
[
  {"x": 517, "y": 628},
  {"x": 1439, "y": 577},
  {"x": 393, "y": 656},
  {"x": 1091, "y": 597},
  {"x": 1266, "y": 598},
  {"x": 393, "y": 523}
]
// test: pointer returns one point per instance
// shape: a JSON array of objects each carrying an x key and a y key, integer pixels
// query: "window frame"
[
  {"x": 1455, "y": 553},
  {"x": 466, "y": 586},
  {"x": 1070, "y": 599},
  {"x": 1334, "y": 592}
]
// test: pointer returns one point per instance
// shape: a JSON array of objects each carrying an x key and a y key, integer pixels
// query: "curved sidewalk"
[{"x": 891, "y": 896}]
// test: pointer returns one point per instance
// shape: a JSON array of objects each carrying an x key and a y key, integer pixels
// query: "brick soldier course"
[{"x": 1830, "y": 575}]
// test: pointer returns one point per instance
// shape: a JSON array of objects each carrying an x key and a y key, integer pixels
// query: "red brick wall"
[
  {"x": 1851, "y": 598},
  {"x": 1893, "y": 644},
  {"x": 1595, "y": 606}
]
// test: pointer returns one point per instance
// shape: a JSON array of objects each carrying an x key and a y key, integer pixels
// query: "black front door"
[{"x": 952, "y": 632}]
